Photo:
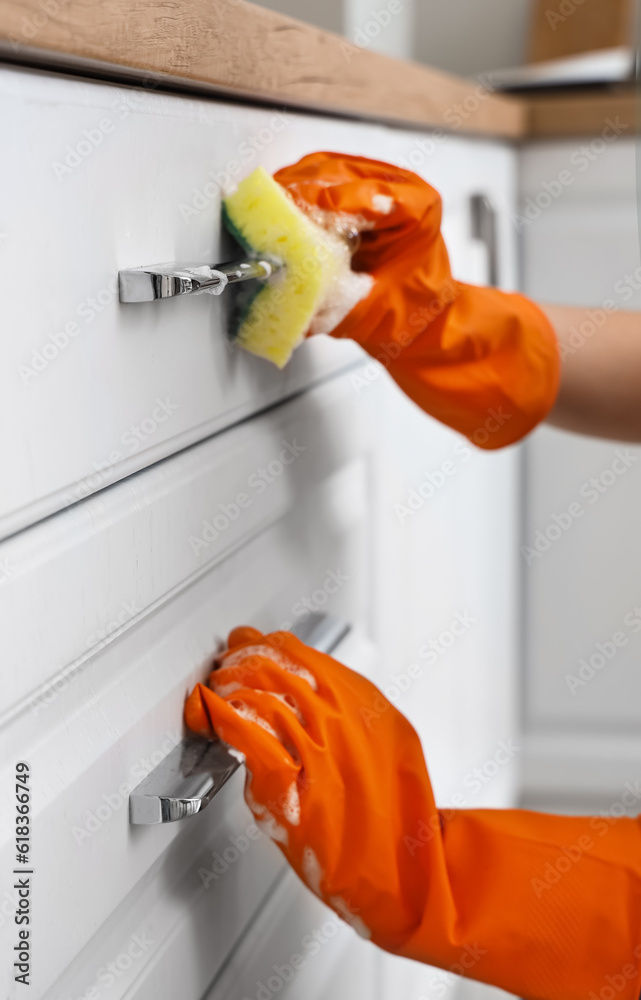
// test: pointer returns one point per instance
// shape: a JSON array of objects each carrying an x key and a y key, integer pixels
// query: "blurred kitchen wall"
[
  {"x": 462, "y": 36},
  {"x": 328, "y": 14},
  {"x": 470, "y": 38}
]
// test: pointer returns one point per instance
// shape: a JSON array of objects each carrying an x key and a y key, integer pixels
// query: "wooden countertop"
[{"x": 237, "y": 49}]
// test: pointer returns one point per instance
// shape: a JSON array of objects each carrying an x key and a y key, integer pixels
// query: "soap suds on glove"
[
  {"x": 346, "y": 290},
  {"x": 291, "y": 807},
  {"x": 264, "y": 819},
  {"x": 288, "y": 700},
  {"x": 224, "y": 690},
  {"x": 248, "y": 713},
  {"x": 239, "y": 656},
  {"x": 382, "y": 203},
  {"x": 352, "y": 919},
  {"x": 312, "y": 871},
  {"x": 237, "y": 754}
]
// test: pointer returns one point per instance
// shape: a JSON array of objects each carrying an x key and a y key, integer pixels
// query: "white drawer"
[
  {"x": 94, "y": 390},
  {"x": 77, "y": 581},
  {"x": 90, "y": 725},
  {"x": 298, "y": 948}
]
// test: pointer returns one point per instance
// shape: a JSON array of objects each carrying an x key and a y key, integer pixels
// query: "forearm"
[{"x": 600, "y": 390}]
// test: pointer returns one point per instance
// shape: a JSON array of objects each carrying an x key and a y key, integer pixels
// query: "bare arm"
[{"x": 600, "y": 391}]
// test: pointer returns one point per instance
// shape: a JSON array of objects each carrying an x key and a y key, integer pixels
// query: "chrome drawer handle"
[
  {"x": 165, "y": 281},
  {"x": 189, "y": 777},
  {"x": 484, "y": 228}
]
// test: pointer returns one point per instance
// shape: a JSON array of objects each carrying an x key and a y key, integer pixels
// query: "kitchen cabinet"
[
  {"x": 105, "y": 178},
  {"x": 128, "y": 552},
  {"x": 581, "y": 573}
]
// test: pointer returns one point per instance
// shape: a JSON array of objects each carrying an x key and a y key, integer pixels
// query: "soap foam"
[
  {"x": 352, "y": 919},
  {"x": 312, "y": 871},
  {"x": 210, "y": 272},
  {"x": 288, "y": 700},
  {"x": 347, "y": 287},
  {"x": 264, "y": 819},
  {"x": 382, "y": 203},
  {"x": 248, "y": 713},
  {"x": 346, "y": 290},
  {"x": 291, "y": 807},
  {"x": 238, "y": 754},
  {"x": 223, "y": 690},
  {"x": 239, "y": 656}
]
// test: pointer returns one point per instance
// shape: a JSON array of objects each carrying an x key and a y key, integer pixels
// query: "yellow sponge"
[{"x": 266, "y": 222}]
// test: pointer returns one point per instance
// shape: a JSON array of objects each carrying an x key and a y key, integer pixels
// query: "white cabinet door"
[{"x": 582, "y": 569}]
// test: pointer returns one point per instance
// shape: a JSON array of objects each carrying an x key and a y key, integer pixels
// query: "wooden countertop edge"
[
  {"x": 236, "y": 48},
  {"x": 584, "y": 113},
  {"x": 239, "y": 50}
]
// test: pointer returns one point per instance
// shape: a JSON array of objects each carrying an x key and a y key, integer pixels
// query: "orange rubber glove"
[
  {"x": 547, "y": 907},
  {"x": 480, "y": 360}
]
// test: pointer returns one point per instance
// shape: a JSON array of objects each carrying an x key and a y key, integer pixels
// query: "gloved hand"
[
  {"x": 546, "y": 907},
  {"x": 480, "y": 360}
]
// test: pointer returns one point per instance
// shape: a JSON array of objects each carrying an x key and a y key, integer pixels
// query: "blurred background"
[
  {"x": 472, "y": 36},
  {"x": 580, "y": 587},
  {"x": 429, "y": 30}
]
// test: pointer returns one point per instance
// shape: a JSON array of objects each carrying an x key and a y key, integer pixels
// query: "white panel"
[
  {"x": 295, "y": 949},
  {"x": 583, "y": 582},
  {"x": 148, "y": 190}
]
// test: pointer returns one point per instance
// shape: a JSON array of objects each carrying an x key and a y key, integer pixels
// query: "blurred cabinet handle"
[
  {"x": 189, "y": 777},
  {"x": 484, "y": 228}
]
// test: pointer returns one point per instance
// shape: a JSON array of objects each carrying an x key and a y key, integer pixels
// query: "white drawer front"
[
  {"x": 101, "y": 886},
  {"x": 298, "y": 948},
  {"x": 104, "y": 178},
  {"x": 78, "y": 580}
]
